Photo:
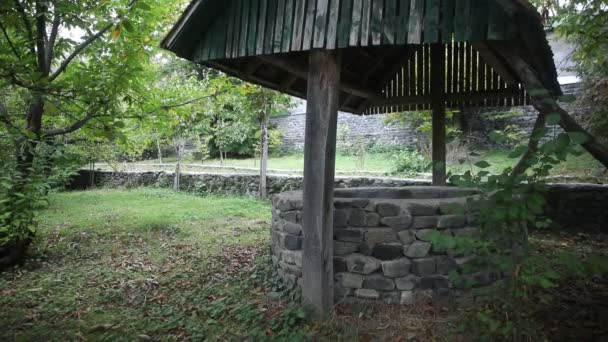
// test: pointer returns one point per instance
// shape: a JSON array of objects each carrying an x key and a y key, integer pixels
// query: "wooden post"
[
  {"x": 319, "y": 170},
  {"x": 438, "y": 107}
]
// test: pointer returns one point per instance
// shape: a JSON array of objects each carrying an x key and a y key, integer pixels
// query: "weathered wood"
[
  {"x": 389, "y": 22},
  {"x": 346, "y": 15},
  {"x": 414, "y": 34},
  {"x": 261, "y": 32},
  {"x": 403, "y": 22},
  {"x": 321, "y": 17},
  {"x": 438, "y": 107},
  {"x": 332, "y": 26},
  {"x": 244, "y": 28},
  {"x": 279, "y": 27},
  {"x": 298, "y": 25},
  {"x": 270, "y": 21},
  {"x": 319, "y": 168},
  {"x": 287, "y": 26},
  {"x": 366, "y": 22},
  {"x": 253, "y": 26},
  {"x": 355, "y": 29},
  {"x": 377, "y": 10},
  {"x": 309, "y": 25},
  {"x": 431, "y": 21},
  {"x": 447, "y": 21}
]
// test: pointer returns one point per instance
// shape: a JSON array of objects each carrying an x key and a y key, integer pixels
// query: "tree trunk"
[
  {"x": 438, "y": 105},
  {"x": 264, "y": 157},
  {"x": 13, "y": 252},
  {"x": 160, "y": 152},
  {"x": 319, "y": 171},
  {"x": 180, "y": 154}
]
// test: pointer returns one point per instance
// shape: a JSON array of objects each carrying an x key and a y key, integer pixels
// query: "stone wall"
[
  {"x": 381, "y": 246},
  {"x": 573, "y": 206},
  {"x": 477, "y": 122}
]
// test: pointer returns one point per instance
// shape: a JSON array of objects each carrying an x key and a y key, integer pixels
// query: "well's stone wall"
[
  {"x": 382, "y": 249},
  {"x": 573, "y": 206}
]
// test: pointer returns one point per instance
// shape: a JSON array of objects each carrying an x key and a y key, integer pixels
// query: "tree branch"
[
  {"x": 83, "y": 46},
  {"x": 50, "y": 49},
  {"x": 41, "y": 38},
  {"x": 27, "y": 24},
  {"x": 5, "y": 118},
  {"x": 10, "y": 42},
  {"x": 74, "y": 127}
]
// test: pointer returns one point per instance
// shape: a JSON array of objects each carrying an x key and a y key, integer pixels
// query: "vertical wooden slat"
[
  {"x": 270, "y": 24},
  {"x": 427, "y": 72},
  {"x": 420, "y": 74},
  {"x": 389, "y": 22},
  {"x": 479, "y": 20},
  {"x": 253, "y": 26},
  {"x": 261, "y": 34},
  {"x": 414, "y": 34},
  {"x": 332, "y": 27},
  {"x": 244, "y": 28},
  {"x": 346, "y": 16},
  {"x": 447, "y": 20},
  {"x": 437, "y": 54},
  {"x": 366, "y": 22},
  {"x": 402, "y": 26},
  {"x": 431, "y": 21},
  {"x": 456, "y": 58},
  {"x": 355, "y": 28},
  {"x": 412, "y": 76},
  {"x": 230, "y": 30},
  {"x": 309, "y": 24},
  {"x": 298, "y": 25},
  {"x": 460, "y": 20},
  {"x": 467, "y": 72},
  {"x": 474, "y": 71},
  {"x": 278, "y": 30},
  {"x": 461, "y": 64},
  {"x": 237, "y": 29},
  {"x": 495, "y": 85},
  {"x": 320, "y": 23},
  {"x": 378, "y": 7},
  {"x": 287, "y": 26},
  {"x": 448, "y": 73}
]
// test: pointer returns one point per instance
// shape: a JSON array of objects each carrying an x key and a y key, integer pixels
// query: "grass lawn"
[{"x": 155, "y": 265}]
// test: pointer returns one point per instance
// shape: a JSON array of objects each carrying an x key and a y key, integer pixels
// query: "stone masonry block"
[
  {"x": 358, "y": 263},
  {"x": 388, "y": 209},
  {"x": 349, "y": 234},
  {"x": 398, "y": 223},
  {"x": 292, "y": 242},
  {"x": 407, "y": 283},
  {"x": 381, "y": 235},
  {"x": 357, "y": 218},
  {"x": 377, "y": 281},
  {"x": 421, "y": 222},
  {"x": 452, "y": 221},
  {"x": 417, "y": 249},
  {"x": 367, "y": 294},
  {"x": 424, "y": 267},
  {"x": 292, "y": 228},
  {"x": 396, "y": 268},
  {"x": 423, "y": 209},
  {"x": 387, "y": 251},
  {"x": 343, "y": 248},
  {"x": 350, "y": 280},
  {"x": 407, "y": 237}
]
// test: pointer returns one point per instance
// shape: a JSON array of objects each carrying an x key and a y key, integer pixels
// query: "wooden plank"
[
  {"x": 467, "y": 69},
  {"x": 376, "y": 20},
  {"x": 414, "y": 35},
  {"x": 480, "y": 12},
  {"x": 474, "y": 69},
  {"x": 332, "y": 27},
  {"x": 403, "y": 21},
  {"x": 320, "y": 26},
  {"x": 278, "y": 29},
  {"x": 468, "y": 32},
  {"x": 253, "y": 27},
  {"x": 461, "y": 64},
  {"x": 270, "y": 25},
  {"x": 460, "y": 17},
  {"x": 346, "y": 16},
  {"x": 389, "y": 22},
  {"x": 230, "y": 30},
  {"x": 355, "y": 28},
  {"x": 244, "y": 28},
  {"x": 447, "y": 21},
  {"x": 449, "y": 71},
  {"x": 439, "y": 120},
  {"x": 237, "y": 29},
  {"x": 287, "y": 26},
  {"x": 412, "y": 76},
  {"x": 420, "y": 74},
  {"x": 261, "y": 34},
  {"x": 319, "y": 172},
  {"x": 298, "y": 25},
  {"x": 309, "y": 25},
  {"x": 431, "y": 21},
  {"x": 366, "y": 22},
  {"x": 496, "y": 22}
]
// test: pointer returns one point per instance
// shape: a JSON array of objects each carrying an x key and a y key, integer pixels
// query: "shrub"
[{"x": 409, "y": 161}]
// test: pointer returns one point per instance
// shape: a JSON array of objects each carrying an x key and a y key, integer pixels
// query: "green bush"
[{"x": 409, "y": 161}]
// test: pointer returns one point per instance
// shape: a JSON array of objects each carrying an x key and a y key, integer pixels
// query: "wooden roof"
[{"x": 385, "y": 43}]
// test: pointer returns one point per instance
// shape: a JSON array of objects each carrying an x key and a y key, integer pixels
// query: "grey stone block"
[
  {"x": 453, "y": 207},
  {"x": 292, "y": 257},
  {"x": 423, "y": 209},
  {"x": 377, "y": 281},
  {"x": 367, "y": 294},
  {"x": 398, "y": 223},
  {"x": 446, "y": 264},
  {"x": 420, "y": 222},
  {"x": 388, "y": 209},
  {"x": 349, "y": 234},
  {"x": 452, "y": 221},
  {"x": 358, "y": 263},
  {"x": 417, "y": 249},
  {"x": 291, "y": 216},
  {"x": 424, "y": 267},
  {"x": 341, "y": 291},
  {"x": 387, "y": 251},
  {"x": 359, "y": 203},
  {"x": 407, "y": 283},
  {"x": 381, "y": 235},
  {"x": 340, "y": 218},
  {"x": 434, "y": 282},
  {"x": 366, "y": 248},
  {"x": 372, "y": 220},
  {"x": 343, "y": 248},
  {"x": 357, "y": 218},
  {"x": 350, "y": 280},
  {"x": 391, "y": 298},
  {"x": 339, "y": 264},
  {"x": 408, "y": 298},
  {"x": 292, "y": 228},
  {"x": 292, "y": 242},
  {"x": 407, "y": 237},
  {"x": 396, "y": 268},
  {"x": 425, "y": 234}
]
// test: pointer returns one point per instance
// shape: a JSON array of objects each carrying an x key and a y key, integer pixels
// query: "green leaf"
[
  {"x": 553, "y": 119},
  {"x": 578, "y": 137},
  {"x": 482, "y": 164}
]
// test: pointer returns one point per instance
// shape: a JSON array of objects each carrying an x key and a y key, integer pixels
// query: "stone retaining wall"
[
  {"x": 573, "y": 206},
  {"x": 382, "y": 249}
]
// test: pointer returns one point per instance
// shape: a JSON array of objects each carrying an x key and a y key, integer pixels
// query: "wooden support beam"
[
  {"x": 288, "y": 82},
  {"x": 319, "y": 171},
  {"x": 301, "y": 72},
  {"x": 438, "y": 107}
]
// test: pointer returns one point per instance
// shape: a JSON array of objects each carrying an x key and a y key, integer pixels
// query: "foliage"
[
  {"x": 507, "y": 207},
  {"x": 410, "y": 162},
  {"x": 349, "y": 145}
]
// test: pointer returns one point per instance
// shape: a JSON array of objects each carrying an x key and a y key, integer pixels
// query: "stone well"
[{"x": 381, "y": 246}]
